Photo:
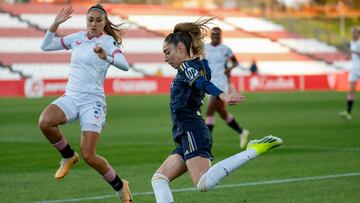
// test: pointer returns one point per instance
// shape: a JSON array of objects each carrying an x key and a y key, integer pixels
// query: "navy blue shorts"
[{"x": 194, "y": 143}]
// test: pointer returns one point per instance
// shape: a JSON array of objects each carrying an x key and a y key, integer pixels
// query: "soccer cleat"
[
  {"x": 265, "y": 144},
  {"x": 124, "y": 193},
  {"x": 345, "y": 115},
  {"x": 244, "y": 138},
  {"x": 65, "y": 166}
]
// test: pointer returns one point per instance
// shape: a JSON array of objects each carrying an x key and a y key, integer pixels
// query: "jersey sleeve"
[
  {"x": 68, "y": 40},
  {"x": 52, "y": 43},
  {"x": 190, "y": 72},
  {"x": 228, "y": 52},
  {"x": 111, "y": 47},
  {"x": 114, "y": 54},
  {"x": 195, "y": 76}
]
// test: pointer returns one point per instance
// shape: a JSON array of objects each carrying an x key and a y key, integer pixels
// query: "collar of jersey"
[{"x": 90, "y": 38}]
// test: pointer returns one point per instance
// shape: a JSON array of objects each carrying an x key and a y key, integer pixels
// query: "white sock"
[
  {"x": 160, "y": 185},
  {"x": 217, "y": 172}
]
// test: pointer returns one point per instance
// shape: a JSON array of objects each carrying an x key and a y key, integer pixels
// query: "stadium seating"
[
  {"x": 6, "y": 74},
  {"x": 276, "y": 50}
]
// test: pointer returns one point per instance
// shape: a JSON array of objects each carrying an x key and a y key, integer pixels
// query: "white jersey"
[
  {"x": 217, "y": 57},
  {"x": 355, "y": 46},
  {"x": 87, "y": 70}
]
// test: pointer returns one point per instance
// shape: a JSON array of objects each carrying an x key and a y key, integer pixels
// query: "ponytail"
[{"x": 191, "y": 34}]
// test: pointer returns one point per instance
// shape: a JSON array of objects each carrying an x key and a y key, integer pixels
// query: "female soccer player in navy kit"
[
  {"x": 190, "y": 133},
  {"x": 93, "y": 51}
]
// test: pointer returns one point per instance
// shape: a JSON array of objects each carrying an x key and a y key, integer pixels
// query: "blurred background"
[
  {"x": 300, "y": 49},
  {"x": 296, "y": 44}
]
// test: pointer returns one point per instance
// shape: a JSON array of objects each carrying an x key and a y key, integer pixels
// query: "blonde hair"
[{"x": 191, "y": 34}]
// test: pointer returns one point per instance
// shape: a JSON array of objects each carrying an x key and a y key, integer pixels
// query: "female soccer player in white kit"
[
  {"x": 354, "y": 74},
  {"x": 93, "y": 51},
  {"x": 218, "y": 54}
]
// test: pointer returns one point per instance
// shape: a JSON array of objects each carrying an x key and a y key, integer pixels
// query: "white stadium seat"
[
  {"x": 61, "y": 71},
  {"x": 163, "y": 69},
  {"x": 10, "y": 22},
  {"x": 254, "y": 24},
  {"x": 254, "y": 45},
  {"x": 6, "y": 74},
  {"x": 75, "y": 22},
  {"x": 288, "y": 68},
  {"x": 308, "y": 45},
  {"x": 145, "y": 45},
  {"x": 155, "y": 22}
]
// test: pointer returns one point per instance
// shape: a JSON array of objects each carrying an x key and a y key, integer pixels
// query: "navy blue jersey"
[{"x": 187, "y": 92}]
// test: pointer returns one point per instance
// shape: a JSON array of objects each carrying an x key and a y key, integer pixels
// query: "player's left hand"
[
  {"x": 100, "y": 52},
  {"x": 233, "y": 98}
]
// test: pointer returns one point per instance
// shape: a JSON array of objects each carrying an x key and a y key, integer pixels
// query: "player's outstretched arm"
[
  {"x": 233, "y": 98},
  {"x": 61, "y": 17},
  {"x": 50, "y": 41}
]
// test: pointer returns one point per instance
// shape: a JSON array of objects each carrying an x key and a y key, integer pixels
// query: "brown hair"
[
  {"x": 110, "y": 28},
  {"x": 191, "y": 34}
]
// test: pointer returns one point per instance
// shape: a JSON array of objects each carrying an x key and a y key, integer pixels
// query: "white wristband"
[{"x": 110, "y": 59}]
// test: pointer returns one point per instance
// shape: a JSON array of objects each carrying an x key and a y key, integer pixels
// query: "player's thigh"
[
  {"x": 197, "y": 166},
  {"x": 173, "y": 167},
  {"x": 353, "y": 86},
  {"x": 60, "y": 111},
  {"x": 212, "y": 106},
  {"x": 53, "y": 115},
  {"x": 222, "y": 109},
  {"x": 196, "y": 146}
]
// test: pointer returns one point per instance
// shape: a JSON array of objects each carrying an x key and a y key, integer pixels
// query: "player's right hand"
[
  {"x": 63, "y": 15},
  {"x": 233, "y": 98}
]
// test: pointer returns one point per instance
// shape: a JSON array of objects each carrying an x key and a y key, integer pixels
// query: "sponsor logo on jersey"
[{"x": 191, "y": 73}]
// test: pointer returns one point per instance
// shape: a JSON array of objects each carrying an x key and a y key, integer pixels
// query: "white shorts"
[
  {"x": 354, "y": 74},
  {"x": 89, "y": 109},
  {"x": 222, "y": 85}
]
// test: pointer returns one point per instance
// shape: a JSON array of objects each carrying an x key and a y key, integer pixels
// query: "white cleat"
[
  {"x": 345, "y": 115},
  {"x": 244, "y": 138}
]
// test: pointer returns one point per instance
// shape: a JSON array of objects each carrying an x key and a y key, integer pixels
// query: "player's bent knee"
[
  {"x": 89, "y": 158},
  {"x": 159, "y": 180},
  {"x": 44, "y": 123},
  {"x": 205, "y": 183},
  {"x": 158, "y": 177},
  {"x": 201, "y": 185}
]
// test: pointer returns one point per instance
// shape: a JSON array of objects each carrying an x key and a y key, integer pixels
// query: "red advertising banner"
[
  {"x": 11, "y": 88},
  {"x": 147, "y": 85},
  {"x": 161, "y": 85},
  {"x": 257, "y": 83}
]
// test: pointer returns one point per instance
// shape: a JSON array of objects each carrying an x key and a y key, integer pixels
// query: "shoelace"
[{"x": 63, "y": 161}]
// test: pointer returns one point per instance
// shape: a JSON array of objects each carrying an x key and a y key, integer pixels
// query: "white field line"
[{"x": 265, "y": 182}]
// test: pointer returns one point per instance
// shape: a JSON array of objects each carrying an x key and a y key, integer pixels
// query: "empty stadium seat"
[{"x": 6, "y": 74}]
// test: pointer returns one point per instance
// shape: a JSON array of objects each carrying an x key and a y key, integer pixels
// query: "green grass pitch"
[{"x": 137, "y": 139}]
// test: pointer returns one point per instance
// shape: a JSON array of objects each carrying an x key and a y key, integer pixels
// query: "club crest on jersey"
[{"x": 191, "y": 73}]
